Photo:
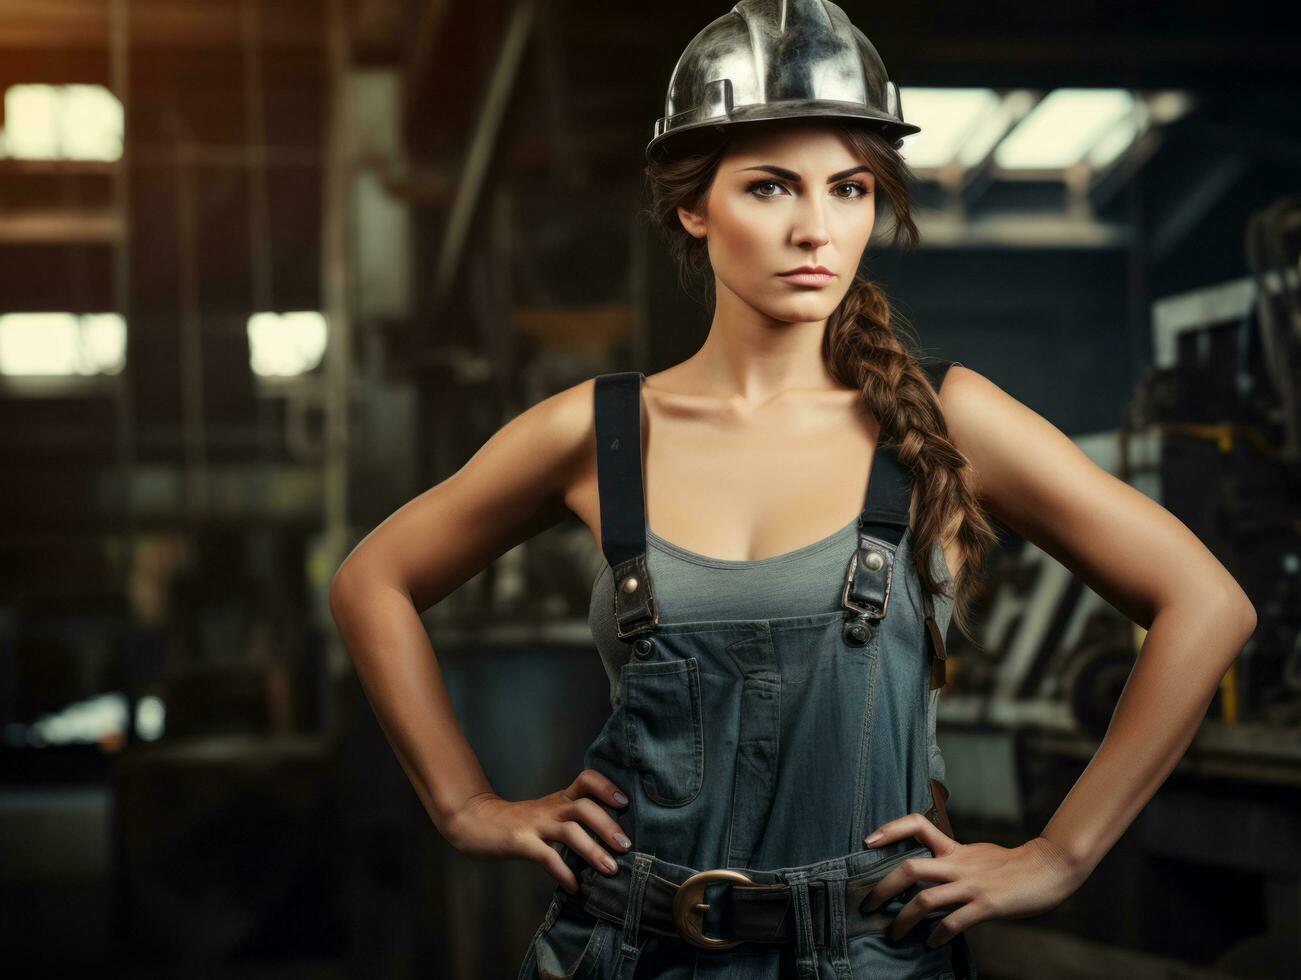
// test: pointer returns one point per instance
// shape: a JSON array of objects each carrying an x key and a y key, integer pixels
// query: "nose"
[{"x": 810, "y": 224}]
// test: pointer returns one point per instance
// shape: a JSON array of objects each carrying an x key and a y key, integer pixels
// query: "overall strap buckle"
[
  {"x": 869, "y": 577},
  {"x": 635, "y": 609},
  {"x": 885, "y": 514}
]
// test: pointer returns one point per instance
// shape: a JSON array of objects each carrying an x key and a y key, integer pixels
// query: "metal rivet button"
[
  {"x": 642, "y": 648},
  {"x": 855, "y": 633},
  {"x": 629, "y": 584},
  {"x": 874, "y": 560}
]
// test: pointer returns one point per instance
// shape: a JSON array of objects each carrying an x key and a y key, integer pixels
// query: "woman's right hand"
[{"x": 489, "y": 827}]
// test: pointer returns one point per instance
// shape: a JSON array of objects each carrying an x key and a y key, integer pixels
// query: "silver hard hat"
[{"x": 776, "y": 59}]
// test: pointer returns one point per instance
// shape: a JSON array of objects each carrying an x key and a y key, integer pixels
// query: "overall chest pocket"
[{"x": 663, "y": 730}]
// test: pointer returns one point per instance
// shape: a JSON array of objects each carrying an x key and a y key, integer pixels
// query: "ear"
[{"x": 692, "y": 222}]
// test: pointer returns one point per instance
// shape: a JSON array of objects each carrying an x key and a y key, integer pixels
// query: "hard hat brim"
[{"x": 687, "y": 136}]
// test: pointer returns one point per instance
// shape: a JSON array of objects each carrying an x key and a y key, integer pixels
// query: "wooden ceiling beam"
[{"x": 77, "y": 24}]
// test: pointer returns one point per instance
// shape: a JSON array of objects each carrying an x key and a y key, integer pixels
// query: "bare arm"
[
  {"x": 511, "y": 489},
  {"x": 1150, "y": 566},
  {"x": 1140, "y": 558}
]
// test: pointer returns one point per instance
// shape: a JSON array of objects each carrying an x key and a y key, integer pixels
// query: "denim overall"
[{"x": 768, "y": 747}]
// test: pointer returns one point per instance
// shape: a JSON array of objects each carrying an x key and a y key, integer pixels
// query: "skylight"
[
  {"x": 1066, "y": 125},
  {"x": 963, "y": 126},
  {"x": 950, "y": 118}
]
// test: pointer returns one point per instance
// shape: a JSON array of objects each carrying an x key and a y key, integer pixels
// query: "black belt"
[{"x": 746, "y": 911}]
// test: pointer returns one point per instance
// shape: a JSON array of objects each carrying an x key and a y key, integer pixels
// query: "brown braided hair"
[{"x": 866, "y": 346}]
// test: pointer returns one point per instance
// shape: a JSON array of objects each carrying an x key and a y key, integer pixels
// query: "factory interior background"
[{"x": 271, "y": 268}]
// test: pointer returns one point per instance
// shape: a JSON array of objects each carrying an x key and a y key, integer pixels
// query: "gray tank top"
[{"x": 691, "y": 587}]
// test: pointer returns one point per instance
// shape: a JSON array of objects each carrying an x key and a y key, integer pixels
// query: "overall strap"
[
  {"x": 623, "y": 499},
  {"x": 881, "y": 526}
]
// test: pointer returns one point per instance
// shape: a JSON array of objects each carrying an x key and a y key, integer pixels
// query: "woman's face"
[{"x": 785, "y": 197}]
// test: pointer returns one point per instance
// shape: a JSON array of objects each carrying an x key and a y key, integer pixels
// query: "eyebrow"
[{"x": 792, "y": 176}]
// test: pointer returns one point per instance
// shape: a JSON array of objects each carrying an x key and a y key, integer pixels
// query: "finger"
[
  {"x": 582, "y": 843},
  {"x": 591, "y": 813},
  {"x": 912, "y": 825},
  {"x": 925, "y": 902},
  {"x": 962, "y": 918},
  {"x": 591, "y": 782},
  {"x": 544, "y": 854},
  {"x": 907, "y": 873}
]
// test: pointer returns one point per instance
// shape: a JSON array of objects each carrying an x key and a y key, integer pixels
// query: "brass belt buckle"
[{"x": 687, "y": 904}]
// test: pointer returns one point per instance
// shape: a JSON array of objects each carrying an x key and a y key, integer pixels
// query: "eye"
[
  {"x": 862, "y": 190},
  {"x": 753, "y": 188}
]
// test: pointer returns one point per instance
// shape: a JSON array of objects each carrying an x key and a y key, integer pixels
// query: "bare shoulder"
[
  {"x": 983, "y": 420},
  {"x": 1033, "y": 478},
  {"x": 516, "y": 485},
  {"x": 565, "y": 421},
  {"x": 547, "y": 445}
]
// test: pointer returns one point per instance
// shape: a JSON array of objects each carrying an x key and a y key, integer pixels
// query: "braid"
[{"x": 863, "y": 351}]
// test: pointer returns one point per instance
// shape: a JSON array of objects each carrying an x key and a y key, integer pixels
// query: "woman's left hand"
[{"x": 979, "y": 881}]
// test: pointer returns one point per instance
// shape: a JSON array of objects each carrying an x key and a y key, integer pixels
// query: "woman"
[{"x": 790, "y": 518}]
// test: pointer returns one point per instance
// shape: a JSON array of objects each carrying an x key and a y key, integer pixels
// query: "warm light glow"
[
  {"x": 285, "y": 344},
  {"x": 62, "y": 344},
  {"x": 62, "y": 122}
]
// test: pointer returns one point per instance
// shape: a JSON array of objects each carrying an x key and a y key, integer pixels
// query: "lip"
[{"x": 809, "y": 275}]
